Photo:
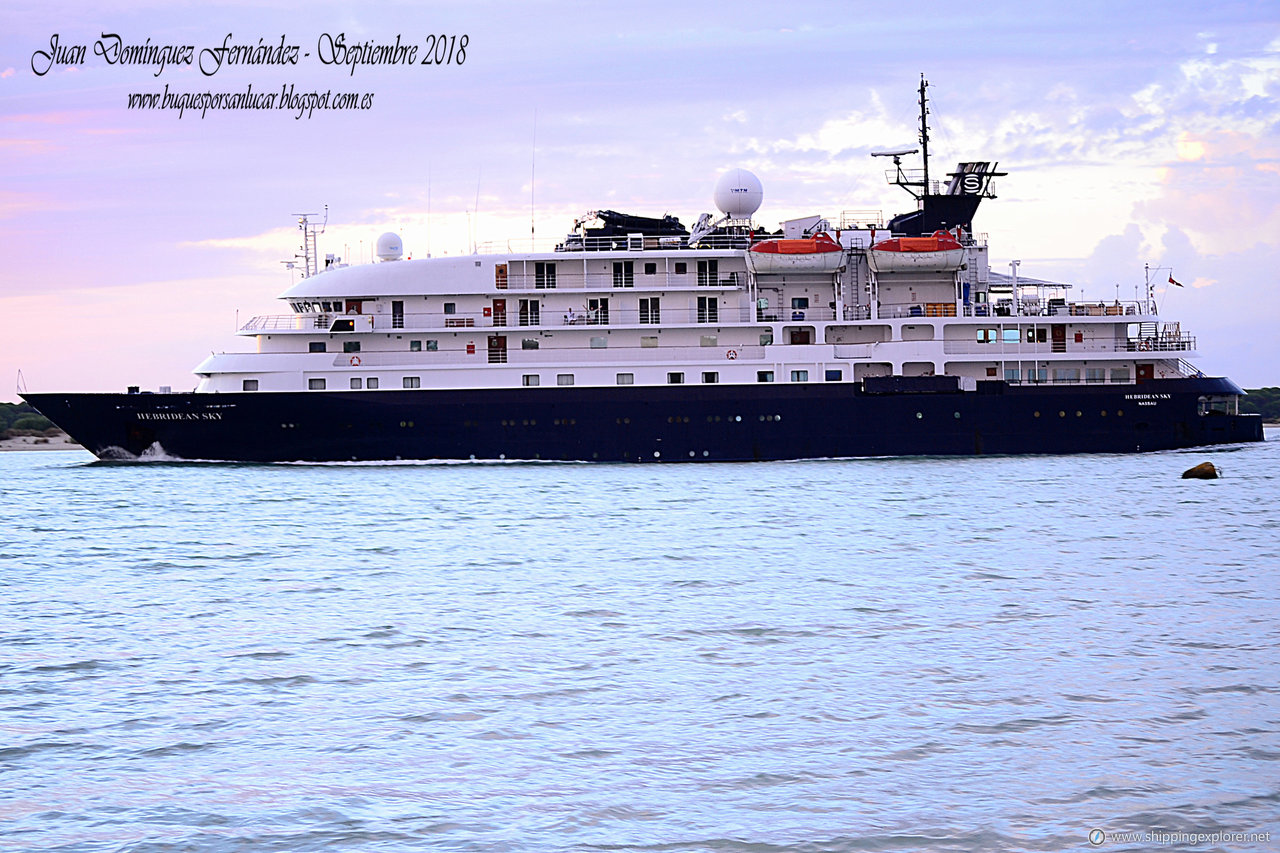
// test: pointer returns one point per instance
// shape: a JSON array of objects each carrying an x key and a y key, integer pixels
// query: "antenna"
[
  {"x": 924, "y": 129},
  {"x": 533, "y": 164}
]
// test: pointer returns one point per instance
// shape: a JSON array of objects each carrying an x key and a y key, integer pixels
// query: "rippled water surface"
[{"x": 894, "y": 654}]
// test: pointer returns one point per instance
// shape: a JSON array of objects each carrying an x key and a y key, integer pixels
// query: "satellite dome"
[
  {"x": 389, "y": 248},
  {"x": 739, "y": 194}
]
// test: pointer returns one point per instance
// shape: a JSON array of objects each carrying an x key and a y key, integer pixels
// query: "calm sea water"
[{"x": 869, "y": 655}]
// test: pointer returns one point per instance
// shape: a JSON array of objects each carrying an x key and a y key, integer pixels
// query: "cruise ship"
[{"x": 640, "y": 340}]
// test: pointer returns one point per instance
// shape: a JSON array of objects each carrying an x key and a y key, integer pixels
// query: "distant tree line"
[
  {"x": 21, "y": 419},
  {"x": 1262, "y": 401}
]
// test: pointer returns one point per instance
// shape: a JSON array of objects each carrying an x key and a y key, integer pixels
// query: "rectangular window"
[
  {"x": 682, "y": 268},
  {"x": 648, "y": 341},
  {"x": 315, "y": 384},
  {"x": 371, "y": 383},
  {"x": 316, "y": 346},
  {"x": 451, "y": 308},
  {"x": 708, "y": 309},
  {"x": 544, "y": 275},
  {"x": 397, "y": 313},
  {"x": 529, "y": 380},
  {"x": 356, "y": 383},
  {"x": 1066, "y": 374},
  {"x": 1119, "y": 374},
  {"x": 800, "y": 302},
  {"x": 835, "y": 375},
  {"x": 530, "y": 312},
  {"x": 412, "y": 382},
  {"x": 1010, "y": 336},
  {"x": 1038, "y": 374},
  {"x": 1012, "y": 374},
  {"x": 766, "y": 339},
  {"x": 1037, "y": 336},
  {"x": 708, "y": 341},
  {"x": 351, "y": 346},
  {"x": 626, "y": 378},
  {"x": 564, "y": 378},
  {"x": 764, "y": 376},
  {"x": 624, "y": 273},
  {"x": 649, "y": 310},
  {"x": 599, "y": 343},
  {"x": 415, "y": 346},
  {"x": 799, "y": 376},
  {"x": 249, "y": 385},
  {"x": 432, "y": 346},
  {"x": 1095, "y": 374},
  {"x": 675, "y": 378},
  {"x": 650, "y": 269},
  {"x": 529, "y": 343},
  {"x": 710, "y": 377},
  {"x": 708, "y": 273}
]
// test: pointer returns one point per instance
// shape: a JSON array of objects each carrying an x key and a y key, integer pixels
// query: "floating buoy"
[{"x": 1203, "y": 471}]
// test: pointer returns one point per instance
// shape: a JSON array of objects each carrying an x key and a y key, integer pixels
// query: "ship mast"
[{"x": 924, "y": 131}]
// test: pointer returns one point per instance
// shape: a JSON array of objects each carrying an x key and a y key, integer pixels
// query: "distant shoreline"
[{"x": 60, "y": 441}]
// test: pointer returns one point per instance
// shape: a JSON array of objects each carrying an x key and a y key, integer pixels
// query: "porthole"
[
  {"x": 737, "y": 417},
  {"x": 919, "y": 415},
  {"x": 657, "y": 454},
  {"x": 957, "y": 415},
  {"x": 1061, "y": 414},
  {"x": 1079, "y": 413},
  {"x": 1037, "y": 414},
  {"x": 1104, "y": 413},
  {"x": 1119, "y": 413}
]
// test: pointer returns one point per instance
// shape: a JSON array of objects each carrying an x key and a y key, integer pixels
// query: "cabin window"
[
  {"x": 530, "y": 312},
  {"x": 682, "y": 268},
  {"x": 708, "y": 341},
  {"x": 988, "y": 336},
  {"x": 529, "y": 343},
  {"x": 1010, "y": 336},
  {"x": 766, "y": 339},
  {"x": 710, "y": 377},
  {"x": 650, "y": 269},
  {"x": 371, "y": 383},
  {"x": 249, "y": 385},
  {"x": 412, "y": 382},
  {"x": 1066, "y": 374},
  {"x": 1037, "y": 374},
  {"x": 764, "y": 376},
  {"x": 835, "y": 375},
  {"x": 799, "y": 376},
  {"x": 708, "y": 309},
  {"x": 415, "y": 346},
  {"x": 432, "y": 346},
  {"x": 799, "y": 302},
  {"x": 708, "y": 272},
  {"x": 451, "y": 308},
  {"x": 1095, "y": 374},
  {"x": 356, "y": 382},
  {"x": 648, "y": 341},
  {"x": 1119, "y": 374},
  {"x": 351, "y": 346},
  {"x": 316, "y": 346},
  {"x": 564, "y": 378},
  {"x": 599, "y": 343},
  {"x": 991, "y": 371},
  {"x": 544, "y": 275},
  {"x": 649, "y": 309},
  {"x": 675, "y": 378},
  {"x": 529, "y": 380},
  {"x": 1012, "y": 374},
  {"x": 315, "y": 384},
  {"x": 624, "y": 273},
  {"x": 626, "y": 378},
  {"x": 1037, "y": 336},
  {"x": 343, "y": 326}
]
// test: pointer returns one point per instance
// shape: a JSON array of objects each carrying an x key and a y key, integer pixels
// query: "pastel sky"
[{"x": 134, "y": 241}]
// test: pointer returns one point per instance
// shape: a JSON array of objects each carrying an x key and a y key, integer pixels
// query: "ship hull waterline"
[{"x": 647, "y": 424}]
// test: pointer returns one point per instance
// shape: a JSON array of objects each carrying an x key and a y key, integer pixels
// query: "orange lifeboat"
[
  {"x": 939, "y": 252},
  {"x": 819, "y": 253}
]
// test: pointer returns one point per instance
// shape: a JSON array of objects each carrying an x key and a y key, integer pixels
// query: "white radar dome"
[
  {"x": 389, "y": 248},
  {"x": 739, "y": 194}
]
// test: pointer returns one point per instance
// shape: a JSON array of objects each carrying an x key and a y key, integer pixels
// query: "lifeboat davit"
[
  {"x": 939, "y": 252},
  {"x": 818, "y": 254}
]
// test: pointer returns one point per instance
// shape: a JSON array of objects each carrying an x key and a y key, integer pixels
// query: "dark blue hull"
[{"x": 645, "y": 424}]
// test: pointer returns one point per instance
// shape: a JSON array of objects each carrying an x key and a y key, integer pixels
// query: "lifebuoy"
[
  {"x": 731, "y": 354},
  {"x": 355, "y": 361}
]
